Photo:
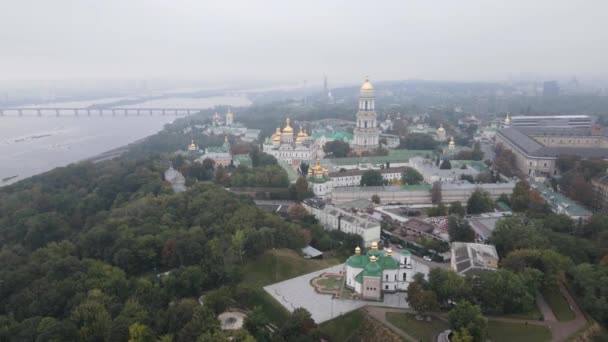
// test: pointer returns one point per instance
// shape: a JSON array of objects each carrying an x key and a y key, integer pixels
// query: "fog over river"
[{"x": 31, "y": 145}]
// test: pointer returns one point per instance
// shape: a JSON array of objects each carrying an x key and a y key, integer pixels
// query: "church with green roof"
[{"x": 378, "y": 271}]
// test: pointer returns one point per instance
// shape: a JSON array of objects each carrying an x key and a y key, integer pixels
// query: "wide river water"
[{"x": 32, "y": 145}]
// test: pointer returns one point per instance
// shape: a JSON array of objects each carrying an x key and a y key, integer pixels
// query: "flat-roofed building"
[
  {"x": 551, "y": 121},
  {"x": 536, "y": 149},
  {"x": 353, "y": 177},
  {"x": 473, "y": 258},
  {"x": 353, "y": 222}
]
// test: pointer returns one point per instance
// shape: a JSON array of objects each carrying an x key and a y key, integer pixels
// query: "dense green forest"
[{"x": 107, "y": 252}]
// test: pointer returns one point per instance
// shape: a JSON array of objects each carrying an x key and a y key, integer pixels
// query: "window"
[
  {"x": 387, "y": 277},
  {"x": 404, "y": 276},
  {"x": 386, "y": 287}
]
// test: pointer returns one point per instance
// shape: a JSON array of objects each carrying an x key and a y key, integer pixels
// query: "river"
[{"x": 32, "y": 145}]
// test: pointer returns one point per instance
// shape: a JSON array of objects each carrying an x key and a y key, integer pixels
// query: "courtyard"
[{"x": 323, "y": 306}]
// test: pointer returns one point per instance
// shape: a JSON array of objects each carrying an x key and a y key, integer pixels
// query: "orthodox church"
[
  {"x": 366, "y": 132},
  {"x": 378, "y": 271},
  {"x": 289, "y": 147}
]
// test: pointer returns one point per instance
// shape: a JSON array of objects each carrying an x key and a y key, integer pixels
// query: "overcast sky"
[{"x": 297, "y": 40}]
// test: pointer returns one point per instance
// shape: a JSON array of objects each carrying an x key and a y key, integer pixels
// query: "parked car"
[{"x": 427, "y": 258}]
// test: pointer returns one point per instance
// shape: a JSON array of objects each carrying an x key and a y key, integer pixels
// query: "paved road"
[
  {"x": 379, "y": 314},
  {"x": 430, "y": 264}
]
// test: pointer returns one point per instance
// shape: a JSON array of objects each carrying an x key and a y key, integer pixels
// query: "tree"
[
  {"x": 436, "y": 193},
  {"x": 297, "y": 212},
  {"x": 449, "y": 286},
  {"x": 376, "y": 199},
  {"x": 504, "y": 292},
  {"x": 411, "y": 177},
  {"x": 140, "y": 333},
  {"x": 547, "y": 261},
  {"x": 520, "y": 196},
  {"x": 457, "y": 209},
  {"x": 298, "y": 324},
  {"x": 439, "y": 210},
  {"x": 421, "y": 300},
  {"x": 480, "y": 202},
  {"x": 468, "y": 316},
  {"x": 301, "y": 188},
  {"x": 460, "y": 230},
  {"x": 238, "y": 243},
  {"x": 462, "y": 335},
  {"x": 337, "y": 148},
  {"x": 256, "y": 322},
  {"x": 371, "y": 178},
  {"x": 304, "y": 169},
  {"x": 445, "y": 165},
  {"x": 513, "y": 233},
  {"x": 420, "y": 141}
]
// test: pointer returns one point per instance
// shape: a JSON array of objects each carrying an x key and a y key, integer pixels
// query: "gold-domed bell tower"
[
  {"x": 276, "y": 137},
  {"x": 287, "y": 135}
]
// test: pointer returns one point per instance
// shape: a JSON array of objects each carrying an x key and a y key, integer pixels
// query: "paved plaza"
[{"x": 297, "y": 292}]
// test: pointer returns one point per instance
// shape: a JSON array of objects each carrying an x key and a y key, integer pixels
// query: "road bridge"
[{"x": 115, "y": 111}]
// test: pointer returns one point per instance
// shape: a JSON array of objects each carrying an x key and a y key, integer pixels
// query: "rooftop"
[
  {"x": 345, "y": 173},
  {"x": 393, "y": 156},
  {"x": 521, "y": 137},
  {"x": 473, "y": 257},
  {"x": 560, "y": 203}
]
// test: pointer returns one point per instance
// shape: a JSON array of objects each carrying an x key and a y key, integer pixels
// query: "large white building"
[
  {"x": 366, "y": 132},
  {"x": 332, "y": 217},
  {"x": 379, "y": 271},
  {"x": 289, "y": 147},
  {"x": 432, "y": 173}
]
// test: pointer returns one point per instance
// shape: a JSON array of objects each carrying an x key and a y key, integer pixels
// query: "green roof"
[
  {"x": 335, "y": 136},
  {"x": 373, "y": 269},
  {"x": 388, "y": 263},
  {"x": 393, "y": 156},
  {"x": 376, "y": 253},
  {"x": 475, "y": 164},
  {"x": 357, "y": 260},
  {"x": 503, "y": 206},
  {"x": 405, "y": 251},
  {"x": 358, "y": 203},
  {"x": 243, "y": 159},
  {"x": 560, "y": 203},
  {"x": 218, "y": 149}
]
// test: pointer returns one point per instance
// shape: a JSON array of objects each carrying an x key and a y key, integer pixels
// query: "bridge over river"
[{"x": 115, "y": 111}]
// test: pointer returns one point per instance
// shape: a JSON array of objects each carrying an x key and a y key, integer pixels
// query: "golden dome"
[
  {"x": 367, "y": 86},
  {"x": 441, "y": 129},
  {"x": 229, "y": 114},
  {"x": 375, "y": 246},
  {"x": 318, "y": 169},
  {"x": 301, "y": 134},
  {"x": 372, "y": 258},
  {"x": 276, "y": 137},
  {"x": 299, "y": 140},
  {"x": 192, "y": 145},
  {"x": 358, "y": 250},
  {"x": 389, "y": 251},
  {"x": 452, "y": 143},
  {"x": 287, "y": 129},
  {"x": 305, "y": 134}
]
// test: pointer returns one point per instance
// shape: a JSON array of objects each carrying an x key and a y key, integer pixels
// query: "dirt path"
[{"x": 560, "y": 331}]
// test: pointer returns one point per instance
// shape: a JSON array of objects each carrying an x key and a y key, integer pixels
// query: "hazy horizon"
[{"x": 278, "y": 41}]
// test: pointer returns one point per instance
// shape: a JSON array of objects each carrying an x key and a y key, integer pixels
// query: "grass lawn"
[
  {"x": 278, "y": 265},
  {"x": 271, "y": 267},
  {"x": 507, "y": 332},
  {"x": 344, "y": 328},
  {"x": 420, "y": 330},
  {"x": 558, "y": 304},
  {"x": 331, "y": 283}
]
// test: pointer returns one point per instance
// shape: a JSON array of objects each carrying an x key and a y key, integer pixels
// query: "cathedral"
[
  {"x": 366, "y": 132},
  {"x": 378, "y": 271},
  {"x": 289, "y": 147}
]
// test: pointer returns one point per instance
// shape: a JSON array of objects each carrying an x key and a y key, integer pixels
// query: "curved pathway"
[{"x": 560, "y": 331}]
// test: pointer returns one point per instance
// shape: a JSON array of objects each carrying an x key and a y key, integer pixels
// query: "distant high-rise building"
[{"x": 550, "y": 88}]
